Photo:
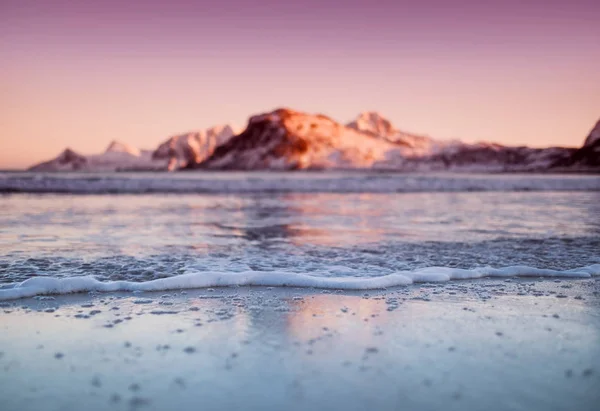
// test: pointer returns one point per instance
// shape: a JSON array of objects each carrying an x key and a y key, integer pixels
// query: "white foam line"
[{"x": 50, "y": 285}]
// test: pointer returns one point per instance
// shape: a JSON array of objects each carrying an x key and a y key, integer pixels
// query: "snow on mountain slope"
[
  {"x": 122, "y": 161},
  {"x": 423, "y": 153},
  {"x": 287, "y": 140},
  {"x": 68, "y": 160},
  {"x": 187, "y": 149},
  {"x": 411, "y": 145},
  {"x": 118, "y": 147},
  {"x": 176, "y": 152},
  {"x": 117, "y": 157}
]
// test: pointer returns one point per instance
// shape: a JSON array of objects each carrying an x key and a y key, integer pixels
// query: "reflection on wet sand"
[
  {"x": 248, "y": 347},
  {"x": 317, "y": 313}
]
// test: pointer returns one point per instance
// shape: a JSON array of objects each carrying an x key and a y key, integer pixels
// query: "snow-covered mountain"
[
  {"x": 192, "y": 148},
  {"x": 68, "y": 160},
  {"x": 178, "y": 151},
  {"x": 117, "y": 157},
  {"x": 484, "y": 157},
  {"x": 289, "y": 140},
  {"x": 411, "y": 145},
  {"x": 119, "y": 147},
  {"x": 286, "y": 139}
]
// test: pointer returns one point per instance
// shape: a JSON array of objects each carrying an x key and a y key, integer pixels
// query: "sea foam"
[{"x": 49, "y": 285}]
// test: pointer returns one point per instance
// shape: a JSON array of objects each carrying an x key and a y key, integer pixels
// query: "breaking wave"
[{"x": 55, "y": 286}]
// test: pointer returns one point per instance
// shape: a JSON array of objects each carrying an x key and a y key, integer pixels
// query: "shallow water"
[{"x": 141, "y": 237}]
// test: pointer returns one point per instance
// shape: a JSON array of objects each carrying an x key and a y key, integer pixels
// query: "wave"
[
  {"x": 351, "y": 182},
  {"x": 37, "y": 286}
]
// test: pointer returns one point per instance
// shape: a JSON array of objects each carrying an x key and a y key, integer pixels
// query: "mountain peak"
[
  {"x": 373, "y": 122},
  {"x": 69, "y": 152},
  {"x": 69, "y": 156},
  {"x": 67, "y": 160},
  {"x": 594, "y": 136},
  {"x": 118, "y": 147}
]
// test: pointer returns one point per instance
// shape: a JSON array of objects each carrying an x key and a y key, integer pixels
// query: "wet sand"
[{"x": 516, "y": 344}]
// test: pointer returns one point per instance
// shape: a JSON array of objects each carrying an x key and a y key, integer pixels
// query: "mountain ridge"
[{"x": 287, "y": 139}]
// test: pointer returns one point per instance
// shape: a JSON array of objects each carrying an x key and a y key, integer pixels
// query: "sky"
[{"x": 80, "y": 74}]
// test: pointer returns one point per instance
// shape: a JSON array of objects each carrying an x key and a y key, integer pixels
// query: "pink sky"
[{"x": 81, "y": 74}]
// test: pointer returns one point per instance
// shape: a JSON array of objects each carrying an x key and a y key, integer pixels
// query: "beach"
[
  {"x": 268, "y": 291},
  {"x": 498, "y": 344}
]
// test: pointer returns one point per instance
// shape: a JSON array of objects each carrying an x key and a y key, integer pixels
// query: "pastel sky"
[{"x": 83, "y": 73}]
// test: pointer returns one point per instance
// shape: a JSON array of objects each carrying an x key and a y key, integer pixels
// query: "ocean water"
[{"x": 107, "y": 232}]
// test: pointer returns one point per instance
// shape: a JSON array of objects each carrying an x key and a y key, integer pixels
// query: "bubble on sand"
[
  {"x": 137, "y": 402},
  {"x": 96, "y": 381}
]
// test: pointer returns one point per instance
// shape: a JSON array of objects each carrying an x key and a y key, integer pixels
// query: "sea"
[{"x": 80, "y": 232}]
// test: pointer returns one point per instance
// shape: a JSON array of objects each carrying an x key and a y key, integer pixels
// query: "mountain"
[
  {"x": 289, "y": 140},
  {"x": 488, "y": 157},
  {"x": 285, "y": 139},
  {"x": 174, "y": 153},
  {"x": 594, "y": 138},
  {"x": 118, "y": 147},
  {"x": 117, "y": 157},
  {"x": 192, "y": 148},
  {"x": 411, "y": 145},
  {"x": 586, "y": 157},
  {"x": 68, "y": 160}
]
